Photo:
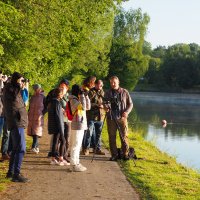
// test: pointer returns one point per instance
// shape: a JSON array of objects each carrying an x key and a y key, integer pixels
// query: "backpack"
[
  {"x": 131, "y": 153},
  {"x": 68, "y": 111}
]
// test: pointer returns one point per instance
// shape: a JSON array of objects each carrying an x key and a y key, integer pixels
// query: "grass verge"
[
  {"x": 157, "y": 176},
  {"x": 4, "y": 168}
]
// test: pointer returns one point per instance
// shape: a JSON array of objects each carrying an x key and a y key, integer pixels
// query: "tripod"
[{"x": 118, "y": 127}]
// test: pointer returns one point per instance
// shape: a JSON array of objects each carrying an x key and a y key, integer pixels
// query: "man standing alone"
[{"x": 118, "y": 111}]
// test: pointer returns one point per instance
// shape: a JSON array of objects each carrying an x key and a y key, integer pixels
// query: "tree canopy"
[
  {"x": 49, "y": 39},
  {"x": 127, "y": 59}
]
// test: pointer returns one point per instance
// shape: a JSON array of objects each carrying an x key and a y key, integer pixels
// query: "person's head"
[
  {"x": 64, "y": 84},
  {"x": 75, "y": 90},
  {"x": 98, "y": 84},
  {"x": 89, "y": 82},
  {"x": 58, "y": 93},
  {"x": 17, "y": 79},
  {"x": 37, "y": 88},
  {"x": 114, "y": 82}
]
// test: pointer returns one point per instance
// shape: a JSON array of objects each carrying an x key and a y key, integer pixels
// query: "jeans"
[
  {"x": 94, "y": 129},
  {"x": 6, "y": 144},
  {"x": 18, "y": 150},
  {"x": 1, "y": 125}
]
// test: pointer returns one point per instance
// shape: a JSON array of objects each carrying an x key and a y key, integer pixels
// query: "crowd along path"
[{"x": 103, "y": 179}]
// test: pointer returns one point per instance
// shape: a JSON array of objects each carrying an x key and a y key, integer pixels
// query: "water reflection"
[{"x": 182, "y": 112}]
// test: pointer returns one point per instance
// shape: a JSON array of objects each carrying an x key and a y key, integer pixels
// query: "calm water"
[{"x": 181, "y": 137}]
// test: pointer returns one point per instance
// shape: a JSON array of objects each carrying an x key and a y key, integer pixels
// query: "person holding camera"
[
  {"x": 79, "y": 103},
  {"x": 17, "y": 120},
  {"x": 94, "y": 119},
  {"x": 119, "y": 106}
]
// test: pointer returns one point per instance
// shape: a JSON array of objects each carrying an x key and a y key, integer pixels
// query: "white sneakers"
[
  {"x": 78, "y": 168},
  {"x": 60, "y": 163},
  {"x": 35, "y": 150},
  {"x": 54, "y": 162}
]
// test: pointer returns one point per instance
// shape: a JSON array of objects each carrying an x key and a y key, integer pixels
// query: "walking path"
[{"x": 103, "y": 179}]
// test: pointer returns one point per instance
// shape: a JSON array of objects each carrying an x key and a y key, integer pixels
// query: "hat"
[
  {"x": 65, "y": 81},
  {"x": 36, "y": 86},
  {"x": 15, "y": 77}
]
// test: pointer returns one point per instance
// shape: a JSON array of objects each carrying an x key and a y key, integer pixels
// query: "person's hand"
[
  {"x": 125, "y": 115},
  {"x": 101, "y": 106}
]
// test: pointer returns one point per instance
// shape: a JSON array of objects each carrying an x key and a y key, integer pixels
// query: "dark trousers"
[
  {"x": 35, "y": 141},
  {"x": 67, "y": 131},
  {"x": 112, "y": 132},
  {"x": 18, "y": 150},
  {"x": 56, "y": 138},
  {"x": 6, "y": 144}
]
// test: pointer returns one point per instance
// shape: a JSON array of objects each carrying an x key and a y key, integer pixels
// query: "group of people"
[{"x": 88, "y": 105}]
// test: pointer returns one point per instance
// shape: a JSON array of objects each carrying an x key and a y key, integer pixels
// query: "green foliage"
[
  {"x": 52, "y": 39},
  {"x": 127, "y": 60},
  {"x": 180, "y": 66}
]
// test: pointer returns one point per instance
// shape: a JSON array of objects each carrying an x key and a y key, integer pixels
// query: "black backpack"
[{"x": 131, "y": 153}]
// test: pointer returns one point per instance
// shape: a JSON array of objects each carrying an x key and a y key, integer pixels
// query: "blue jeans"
[
  {"x": 18, "y": 150},
  {"x": 94, "y": 129},
  {"x": 6, "y": 144},
  {"x": 1, "y": 124}
]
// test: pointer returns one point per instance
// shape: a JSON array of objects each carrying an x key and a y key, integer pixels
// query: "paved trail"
[{"x": 103, "y": 179}]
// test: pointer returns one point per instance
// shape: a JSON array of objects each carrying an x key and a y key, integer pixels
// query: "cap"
[
  {"x": 65, "y": 81},
  {"x": 36, "y": 86}
]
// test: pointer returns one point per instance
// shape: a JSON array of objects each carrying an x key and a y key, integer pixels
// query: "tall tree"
[
  {"x": 49, "y": 39},
  {"x": 127, "y": 60}
]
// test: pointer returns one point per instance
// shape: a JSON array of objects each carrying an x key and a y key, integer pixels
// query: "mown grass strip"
[
  {"x": 157, "y": 176},
  {"x": 4, "y": 168}
]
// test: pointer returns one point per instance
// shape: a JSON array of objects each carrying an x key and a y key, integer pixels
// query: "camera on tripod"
[{"x": 111, "y": 101}]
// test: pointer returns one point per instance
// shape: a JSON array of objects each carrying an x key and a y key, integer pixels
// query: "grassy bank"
[
  {"x": 158, "y": 176},
  {"x": 4, "y": 168}
]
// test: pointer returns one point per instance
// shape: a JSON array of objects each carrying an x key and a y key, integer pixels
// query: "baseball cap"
[{"x": 64, "y": 81}]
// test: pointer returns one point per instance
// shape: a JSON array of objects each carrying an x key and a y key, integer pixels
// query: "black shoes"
[
  {"x": 114, "y": 158},
  {"x": 9, "y": 175},
  {"x": 19, "y": 178}
]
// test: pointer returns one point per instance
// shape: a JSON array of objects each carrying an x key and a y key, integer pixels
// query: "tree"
[
  {"x": 127, "y": 60},
  {"x": 52, "y": 39}
]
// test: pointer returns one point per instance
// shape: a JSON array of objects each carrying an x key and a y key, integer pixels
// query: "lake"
[{"x": 181, "y": 136}]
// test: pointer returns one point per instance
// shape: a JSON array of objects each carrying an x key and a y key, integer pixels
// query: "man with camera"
[
  {"x": 95, "y": 118},
  {"x": 119, "y": 106}
]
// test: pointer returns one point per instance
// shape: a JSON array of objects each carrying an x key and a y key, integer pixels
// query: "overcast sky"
[{"x": 172, "y": 21}]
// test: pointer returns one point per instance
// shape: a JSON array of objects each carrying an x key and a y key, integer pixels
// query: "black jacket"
[
  {"x": 14, "y": 107},
  {"x": 55, "y": 117}
]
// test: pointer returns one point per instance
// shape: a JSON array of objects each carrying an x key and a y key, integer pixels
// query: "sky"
[{"x": 171, "y": 21}]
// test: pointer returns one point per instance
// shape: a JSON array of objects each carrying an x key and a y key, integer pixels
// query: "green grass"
[
  {"x": 4, "y": 167},
  {"x": 158, "y": 176}
]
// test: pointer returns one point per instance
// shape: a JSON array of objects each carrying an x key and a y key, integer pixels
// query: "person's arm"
[
  {"x": 129, "y": 105},
  {"x": 24, "y": 93}
]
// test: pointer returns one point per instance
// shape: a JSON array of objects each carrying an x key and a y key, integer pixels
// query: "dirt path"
[{"x": 103, "y": 179}]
